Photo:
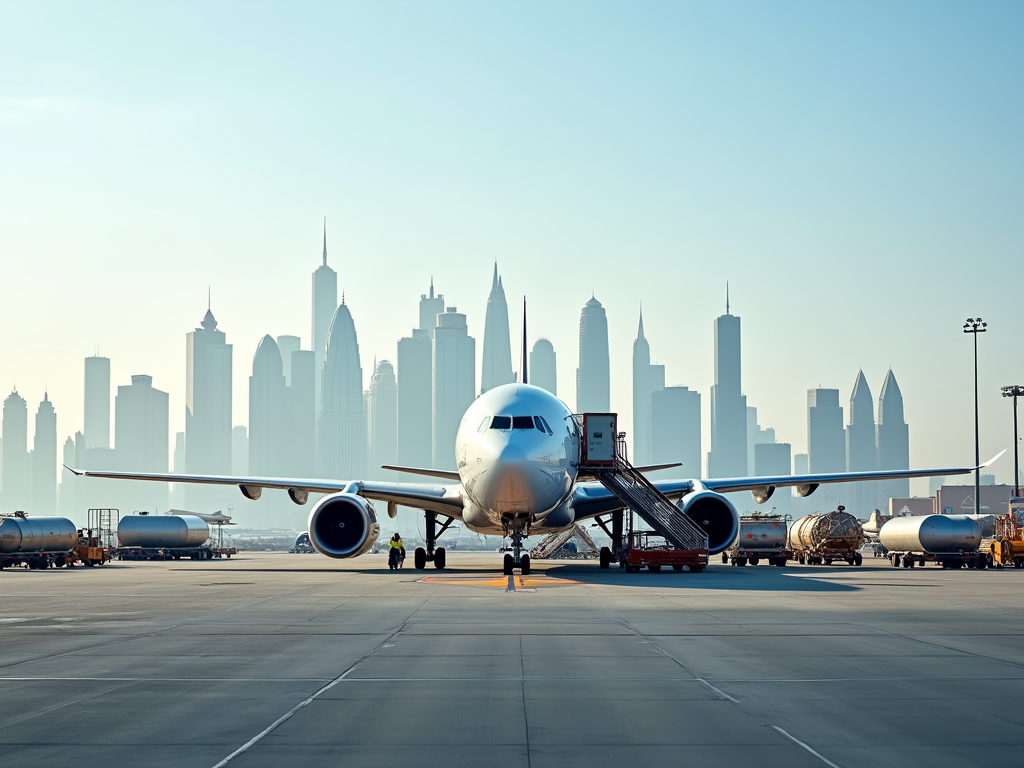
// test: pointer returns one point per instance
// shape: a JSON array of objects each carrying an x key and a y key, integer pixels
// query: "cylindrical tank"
[
  {"x": 833, "y": 530},
  {"x": 175, "y": 531},
  {"x": 934, "y": 534},
  {"x": 761, "y": 534},
  {"x": 37, "y": 534}
]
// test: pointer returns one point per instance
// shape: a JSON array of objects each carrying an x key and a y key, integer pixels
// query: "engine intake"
[
  {"x": 715, "y": 515},
  {"x": 343, "y": 525}
]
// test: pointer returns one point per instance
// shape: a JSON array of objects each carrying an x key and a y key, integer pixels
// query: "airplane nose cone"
[{"x": 511, "y": 454}]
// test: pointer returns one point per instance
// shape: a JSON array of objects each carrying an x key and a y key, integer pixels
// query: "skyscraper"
[
  {"x": 893, "y": 439},
  {"x": 208, "y": 404},
  {"x": 430, "y": 307},
  {"x": 268, "y": 411},
  {"x": 239, "y": 449},
  {"x": 774, "y": 460},
  {"x": 287, "y": 345},
  {"x": 543, "y": 370},
  {"x": 728, "y": 456},
  {"x": 325, "y": 306},
  {"x": 301, "y": 429},
  {"x": 44, "y": 460},
  {"x": 66, "y": 488},
  {"x": 756, "y": 435},
  {"x": 454, "y": 378},
  {"x": 141, "y": 435},
  {"x": 861, "y": 450},
  {"x": 97, "y": 402},
  {"x": 593, "y": 377},
  {"x": 341, "y": 426},
  {"x": 826, "y": 441},
  {"x": 647, "y": 379},
  {"x": 383, "y": 417},
  {"x": 17, "y": 490},
  {"x": 675, "y": 430},
  {"x": 497, "y": 356},
  {"x": 415, "y": 399}
]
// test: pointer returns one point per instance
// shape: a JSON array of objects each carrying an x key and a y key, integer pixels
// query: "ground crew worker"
[{"x": 396, "y": 552}]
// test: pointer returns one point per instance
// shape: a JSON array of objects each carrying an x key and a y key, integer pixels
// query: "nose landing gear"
[
  {"x": 436, "y": 556},
  {"x": 517, "y": 559}
]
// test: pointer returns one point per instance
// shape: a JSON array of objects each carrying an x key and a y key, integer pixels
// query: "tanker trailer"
[
  {"x": 162, "y": 537},
  {"x": 761, "y": 537},
  {"x": 37, "y": 542},
  {"x": 817, "y": 538},
  {"x": 951, "y": 541}
]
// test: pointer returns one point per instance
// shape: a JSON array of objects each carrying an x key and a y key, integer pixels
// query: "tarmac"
[{"x": 276, "y": 660}]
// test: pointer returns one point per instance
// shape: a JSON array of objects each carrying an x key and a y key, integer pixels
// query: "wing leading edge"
[{"x": 444, "y": 499}]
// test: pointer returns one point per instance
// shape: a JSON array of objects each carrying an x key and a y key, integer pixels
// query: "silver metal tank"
[
  {"x": 37, "y": 534},
  {"x": 934, "y": 534},
  {"x": 172, "y": 531},
  {"x": 762, "y": 534},
  {"x": 833, "y": 530}
]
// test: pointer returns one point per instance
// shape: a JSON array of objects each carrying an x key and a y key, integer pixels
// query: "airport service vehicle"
[
  {"x": 761, "y": 537},
  {"x": 818, "y": 539},
  {"x": 165, "y": 537},
  {"x": 647, "y": 549},
  {"x": 35, "y": 542},
  {"x": 522, "y": 467},
  {"x": 1006, "y": 547},
  {"x": 89, "y": 550},
  {"x": 952, "y": 541}
]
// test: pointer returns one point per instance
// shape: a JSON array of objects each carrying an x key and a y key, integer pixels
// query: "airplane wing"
[
  {"x": 443, "y": 499},
  {"x": 590, "y": 499}
]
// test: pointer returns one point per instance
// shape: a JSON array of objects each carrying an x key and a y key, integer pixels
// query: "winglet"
[
  {"x": 993, "y": 460},
  {"x": 81, "y": 472}
]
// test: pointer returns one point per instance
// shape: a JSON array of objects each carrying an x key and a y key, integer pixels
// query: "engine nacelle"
[
  {"x": 343, "y": 525},
  {"x": 715, "y": 515}
]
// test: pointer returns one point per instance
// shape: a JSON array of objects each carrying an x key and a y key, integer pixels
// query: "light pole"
[
  {"x": 1015, "y": 391},
  {"x": 975, "y": 325}
]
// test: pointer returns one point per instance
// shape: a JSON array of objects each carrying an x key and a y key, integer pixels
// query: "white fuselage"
[{"x": 517, "y": 452}]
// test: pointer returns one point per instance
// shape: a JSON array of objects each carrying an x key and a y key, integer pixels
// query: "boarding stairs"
[
  {"x": 641, "y": 496},
  {"x": 550, "y": 545}
]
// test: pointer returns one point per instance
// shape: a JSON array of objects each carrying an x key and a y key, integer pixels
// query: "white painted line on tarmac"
[
  {"x": 285, "y": 717},
  {"x": 166, "y": 679},
  {"x": 797, "y": 741},
  {"x": 716, "y": 691}
]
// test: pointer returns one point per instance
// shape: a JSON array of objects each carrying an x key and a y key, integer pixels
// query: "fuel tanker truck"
[
  {"x": 761, "y": 537},
  {"x": 952, "y": 541},
  {"x": 36, "y": 542},
  {"x": 162, "y": 537},
  {"x": 818, "y": 539}
]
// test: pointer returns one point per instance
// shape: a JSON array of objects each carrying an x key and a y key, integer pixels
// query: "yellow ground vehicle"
[
  {"x": 1006, "y": 547},
  {"x": 89, "y": 551}
]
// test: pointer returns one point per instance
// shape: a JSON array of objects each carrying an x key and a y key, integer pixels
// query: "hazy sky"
[{"x": 855, "y": 170}]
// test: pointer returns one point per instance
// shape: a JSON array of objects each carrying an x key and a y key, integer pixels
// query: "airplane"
[
  {"x": 217, "y": 517},
  {"x": 517, "y": 453}
]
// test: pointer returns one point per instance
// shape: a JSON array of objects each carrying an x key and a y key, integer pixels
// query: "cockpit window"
[
  {"x": 522, "y": 422},
  {"x": 501, "y": 422},
  {"x": 484, "y": 424},
  {"x": 542, "y": 425}
]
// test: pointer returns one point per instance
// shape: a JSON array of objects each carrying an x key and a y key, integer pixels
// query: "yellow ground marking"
[{"x": 497, "y": 582}]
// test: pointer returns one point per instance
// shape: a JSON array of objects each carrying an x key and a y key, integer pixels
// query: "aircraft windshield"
[
  {"x": 501, "y": 422},
  {"x": 522, "y": 422}
]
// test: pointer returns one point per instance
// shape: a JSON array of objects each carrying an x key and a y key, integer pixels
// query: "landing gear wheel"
[
  {"x": 507, "y": 570},
  {"x": 524, "y": 565},
  {"x": 419, "y": 558},
  {"x": 605, "y": 557},
  {"x": 439, "y": 558}
]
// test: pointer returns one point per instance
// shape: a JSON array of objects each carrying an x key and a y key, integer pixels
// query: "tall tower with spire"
[
  {"x": 647, "y": 379},
  {"x": 208, "y": 403},
  {"x": 893, "y": 439},
  {"x": 497, "y": 355},
  {"x": 861, "y": 450},
  {"x": 44, "y": 460},
  {"x": 325, "y": 304},
  {"x": 593, "y": 377},
  {"x": 728, "y": 455}
]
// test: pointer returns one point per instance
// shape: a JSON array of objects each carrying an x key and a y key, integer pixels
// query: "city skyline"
[{"x": 860, "y": 211}]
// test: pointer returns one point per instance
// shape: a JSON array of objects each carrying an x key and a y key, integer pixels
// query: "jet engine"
[
  {"x": 343, "y": 525},
  {"x": 715, "y": 515}
]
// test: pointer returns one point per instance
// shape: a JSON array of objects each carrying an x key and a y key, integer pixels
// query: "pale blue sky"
[{"x": 855, "y": 170}]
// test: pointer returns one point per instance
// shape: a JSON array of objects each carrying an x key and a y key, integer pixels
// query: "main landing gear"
[
  {"x": 517, "y": 559},
  {"x": 431, "y": 555}
]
